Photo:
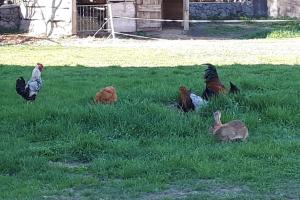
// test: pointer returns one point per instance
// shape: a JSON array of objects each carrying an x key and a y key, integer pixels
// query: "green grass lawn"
[{"x": 65, "y": 147}]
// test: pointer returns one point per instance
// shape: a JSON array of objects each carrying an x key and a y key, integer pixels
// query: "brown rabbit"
[{"x": 232, "y": 130}]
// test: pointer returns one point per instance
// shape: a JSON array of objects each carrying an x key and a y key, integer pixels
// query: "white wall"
[
  {"x": 124, "y": 9},
  {"x": 47, "y": 17}
]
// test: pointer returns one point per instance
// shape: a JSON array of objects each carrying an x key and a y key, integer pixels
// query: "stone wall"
[
  {"x": 220, "y": 10},
  {"x": 10, "y": 17},
  {"x": 260, "y": 8}
]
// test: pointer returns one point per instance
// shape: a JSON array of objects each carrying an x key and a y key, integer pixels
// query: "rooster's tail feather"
[
  {"x": 22, "y": 90},
  {"x": 210, "y": 73},
  {"x": 20, "y": 86}
]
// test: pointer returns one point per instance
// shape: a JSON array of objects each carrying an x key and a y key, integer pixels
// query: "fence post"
[
  {"x": 111, "y": 21},
  {"x": 74, "y": 17},
  {"x": 186, "y": 13}
]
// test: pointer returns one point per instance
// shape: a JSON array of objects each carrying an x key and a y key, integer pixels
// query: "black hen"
[{"x": 22, "y": 90}]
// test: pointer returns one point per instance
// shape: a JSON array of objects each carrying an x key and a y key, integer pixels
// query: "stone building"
[{"x": 69, "y": 17}]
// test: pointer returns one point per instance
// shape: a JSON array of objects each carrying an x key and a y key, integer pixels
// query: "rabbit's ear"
[{"x": 217, "y": 116}]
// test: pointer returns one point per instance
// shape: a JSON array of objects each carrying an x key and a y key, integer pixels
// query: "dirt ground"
[{"x": 210, "y": 39}]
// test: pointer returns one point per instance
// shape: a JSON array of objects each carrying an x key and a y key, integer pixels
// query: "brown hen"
[
  {"x": 106, "y": 95},
  {"x": 185, "y": 101}
]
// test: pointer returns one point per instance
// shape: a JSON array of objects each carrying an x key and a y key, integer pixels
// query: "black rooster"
[{"x": 213, "y": 84}]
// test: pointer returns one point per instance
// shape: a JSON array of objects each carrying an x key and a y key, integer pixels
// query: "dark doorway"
[{"x": 172, "y": 9}]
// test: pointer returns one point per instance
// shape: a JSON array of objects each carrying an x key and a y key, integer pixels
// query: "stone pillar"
[{"x": 10, "y": 17}]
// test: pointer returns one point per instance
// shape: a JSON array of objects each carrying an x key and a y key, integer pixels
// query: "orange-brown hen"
[
  {"x": 106, "y": 95},
  {"x": 185, "y": 101}
]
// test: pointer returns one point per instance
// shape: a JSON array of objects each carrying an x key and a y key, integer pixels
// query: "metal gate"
[{"x": 90, "y": 18}]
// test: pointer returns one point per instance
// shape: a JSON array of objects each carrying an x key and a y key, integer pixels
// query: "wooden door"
[{"x": 149, "y": 9}]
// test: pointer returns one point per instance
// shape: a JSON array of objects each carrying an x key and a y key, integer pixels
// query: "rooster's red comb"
[{"x": 40, "y": 65}]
